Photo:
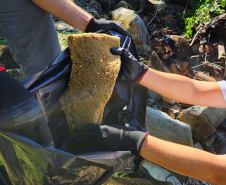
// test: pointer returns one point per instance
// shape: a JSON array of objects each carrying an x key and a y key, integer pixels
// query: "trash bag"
[
  {"x": 47, "y": 86},
  {"x": 28, "y": 162},
  {"x": 127, "y": 105},
  {"x": 21, "y": 113}
]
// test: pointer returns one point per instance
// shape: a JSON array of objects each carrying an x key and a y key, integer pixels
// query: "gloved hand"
[
  {"x": 92, "y": 138},
  {"x": 95, "y": 25},
  {"x": 131, "y": 70}
]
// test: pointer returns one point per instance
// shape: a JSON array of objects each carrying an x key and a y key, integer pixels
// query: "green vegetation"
[
  {"x": 201, "y": 12},
  {"x": 119, "y": 174},
  {"x": 63, "y": 38},
  {"x": 4, "y": 42}
]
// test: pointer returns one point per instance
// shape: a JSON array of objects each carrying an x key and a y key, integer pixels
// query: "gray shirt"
[{"x": 223, "y": 88}]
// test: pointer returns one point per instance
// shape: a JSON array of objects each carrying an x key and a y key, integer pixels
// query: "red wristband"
[
  {"x": 141, "y": 77},
  {"x": 2, "y": 68}
]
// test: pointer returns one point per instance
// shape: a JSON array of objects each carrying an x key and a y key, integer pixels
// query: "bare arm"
[
  {"x": 184, "y": 89},
  {"x": 181, "y": 159},
  {"x": 67, "y": 11},
  {"x": 185, "y": 160}
]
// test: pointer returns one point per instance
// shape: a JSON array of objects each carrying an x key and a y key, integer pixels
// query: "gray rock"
[
  {"x": 159, "y": 173},
  {"x": 220, "y": 144},
  {"x": 203, "y": 120},
  {"x": 62, "y": 26},
  {"x": 192, "y": 181},
  {"x": 154, "y": 95},
  {"x": 156, "y": 63},
  {"x": 224, "y": 124},
  {"x": 209, "y": 140},
  {"x": 161, "y": 125},
  {"x": 168, "y": 100},
  {"x": 198, "y": 145},
  {"x": 137, "y": 29}
]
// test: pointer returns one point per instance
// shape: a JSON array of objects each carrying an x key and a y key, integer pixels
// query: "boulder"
[
  {"x": 220, "y": 143},
  {"x": 136, "y": 27},
  {"x": 203, "y": 120},
  {"x": 224, "y": 124},
  {"x": 154, "y": 95},
  {"x": 64, "y": 27},
  {"x": 198, "y": 146},
  {"x": 161, "y": 125},
  {"x": 156, "y": 63},
  {"x": 93, "y": 75}
]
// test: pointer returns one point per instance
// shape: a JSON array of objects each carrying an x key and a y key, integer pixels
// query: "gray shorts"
[{"x": 31, "y": 34}]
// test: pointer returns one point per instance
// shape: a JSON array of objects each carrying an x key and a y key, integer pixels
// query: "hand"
[
  {"x": 131, "y": 70},
  {"x": 92, "y": 138},
  {"x": 95, "y": 25}
]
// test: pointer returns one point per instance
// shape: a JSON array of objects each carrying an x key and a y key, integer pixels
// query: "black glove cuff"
[
  {"x": 91, "y": 26},
  {"x": 143, "y": 71},
  {"x": 134, "y": 141}
]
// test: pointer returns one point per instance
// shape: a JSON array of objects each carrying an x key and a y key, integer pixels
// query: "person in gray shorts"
[{"x": 29, "y": 29}]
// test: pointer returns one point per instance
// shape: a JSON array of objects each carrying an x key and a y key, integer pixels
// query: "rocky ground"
[
  {"x": 167, "y": 50},
  {"x": 165, "y": 29}
]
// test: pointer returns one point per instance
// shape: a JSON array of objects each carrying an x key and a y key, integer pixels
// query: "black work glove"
[
  {"x": 95, "y": 25},
  {"x": 131, "y": 70},
  {"x": 92, "y": 138}
]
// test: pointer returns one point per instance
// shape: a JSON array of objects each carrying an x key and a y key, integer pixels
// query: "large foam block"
[{"x": 93, "y": 75}]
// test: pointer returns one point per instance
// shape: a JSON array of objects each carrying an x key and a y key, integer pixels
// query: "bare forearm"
[
  {"x": 67, "y": 11},
  {"x": 185, "y": 160},
  {"x": 184, "y": 89}
]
